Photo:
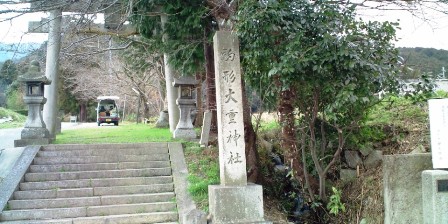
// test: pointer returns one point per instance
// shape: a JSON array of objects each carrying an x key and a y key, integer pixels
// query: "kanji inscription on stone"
[
  {"x": 232, "y": 159},
  {"x": 438, "y": 121}
]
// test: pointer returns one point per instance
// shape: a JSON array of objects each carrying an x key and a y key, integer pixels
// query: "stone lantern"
[
  {"x": 35, "y": 131},
  {"x": 186, "y": 102}
]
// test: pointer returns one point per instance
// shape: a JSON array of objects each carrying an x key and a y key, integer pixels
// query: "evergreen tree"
[
  {"x": 320, "y": 64},
  {"x": 8, "y": 73}
]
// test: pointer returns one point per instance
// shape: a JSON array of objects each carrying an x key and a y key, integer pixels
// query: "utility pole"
[{"x": 443, "y": 73}]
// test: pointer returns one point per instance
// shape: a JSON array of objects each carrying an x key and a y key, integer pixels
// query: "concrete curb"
[
  {"x": 188, "y": 214},
  {"x": 12, "y": 180}
]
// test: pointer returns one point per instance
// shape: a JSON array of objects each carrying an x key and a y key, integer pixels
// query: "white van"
[{"x": 107, "y": 110}]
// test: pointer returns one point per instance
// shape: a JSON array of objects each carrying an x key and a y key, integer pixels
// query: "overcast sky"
[
  {"x": 414, "y": 31},
  {"x": 426, "y": 28}
]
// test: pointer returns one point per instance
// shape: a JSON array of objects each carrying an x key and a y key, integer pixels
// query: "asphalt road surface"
[
  {"x": 9, "y": 154},
  {"x": 7, "y": 137}
]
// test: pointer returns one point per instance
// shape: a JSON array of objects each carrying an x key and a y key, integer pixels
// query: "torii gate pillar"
[{"x": 51, "y": 71}]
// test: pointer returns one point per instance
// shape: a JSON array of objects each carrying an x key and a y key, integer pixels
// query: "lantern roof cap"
[
  {"x": 185, "y": 81},
  {"x": 34, "y": 74}
]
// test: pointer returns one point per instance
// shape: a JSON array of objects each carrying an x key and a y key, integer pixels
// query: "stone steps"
[
  {"x": 145, "y": 172},
  {"x": 78, "y": 215},
  {"x": 83, "y": 207},
  {"x": 119, "y": 219},
  {"x": 70, "y": 147},
  {"x": 99, "y": 159},
  {"x": 115, "y": 190},
  {"x": 90, "y": 183},
  {"x": 20, "y": 204},
  {"x": 97, "y": 166},
  {"x": 96, "y": 184},
  {"x": 102, "y": 152}
]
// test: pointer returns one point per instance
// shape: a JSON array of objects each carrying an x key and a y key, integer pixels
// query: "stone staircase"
[{"x": 107, "y": 183}]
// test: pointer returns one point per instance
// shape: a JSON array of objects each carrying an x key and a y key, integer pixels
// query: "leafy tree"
[
  {"x": 316, "y": 59},
  {"x": 189, "y": 30},
  {"x": 185, "y": 30},
  {"x": 8, "y": 72}
]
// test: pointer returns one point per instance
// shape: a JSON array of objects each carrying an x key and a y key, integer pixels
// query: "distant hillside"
[
  {"x": 16, "y": 52},
  {"x": 427, "y": 60}
]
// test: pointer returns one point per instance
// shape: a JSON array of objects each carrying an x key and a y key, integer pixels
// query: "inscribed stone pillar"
[
  {"x": 435, "y": 182},
  {"x": 51, "y": 71},
  {"x": 233, "y": 201},
  {"x": 229, "y": 100},
  {"x": 438, "y": 123}
]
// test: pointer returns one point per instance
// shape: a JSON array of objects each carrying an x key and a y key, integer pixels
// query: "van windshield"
[
  {"x": 107, "y": 110},
  {"x": 107, "y": 106}
]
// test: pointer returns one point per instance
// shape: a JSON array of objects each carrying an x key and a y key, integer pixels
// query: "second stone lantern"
[
  {"x": 187, "y": 103},
  {"x": 35, "y": 131}
]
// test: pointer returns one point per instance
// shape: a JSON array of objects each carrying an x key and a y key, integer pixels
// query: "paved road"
[{"x": 7, "y": 137}]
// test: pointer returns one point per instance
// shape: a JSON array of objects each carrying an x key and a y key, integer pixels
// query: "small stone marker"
[
  {"x": 205, "y": 133},
  {"x": 163, "y": 121},
  {"x": 233, "y": 201},
  {"x": 435, "y": 196},
  {"x": 435, "y": 182},
  {"x": 438, "y": 119}
]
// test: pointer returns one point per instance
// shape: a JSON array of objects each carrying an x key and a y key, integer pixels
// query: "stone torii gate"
[
  {"x": 113, "y": 23},
  {"x": 113, "y": 18}
]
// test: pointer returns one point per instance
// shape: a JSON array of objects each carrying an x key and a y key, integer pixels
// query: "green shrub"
[
  {"x": 17, "y": 118},
  {"x": 335, "y": 205},
  {"x": 14, "y": 100}
]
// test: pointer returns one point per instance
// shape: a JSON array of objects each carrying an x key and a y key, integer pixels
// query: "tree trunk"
[
  {"x": 145, "y": 107},
  {"x": 83, "y": 112},
  {"x": 250, "y": 138},
  {"x": 210, "y": 80},
  {"x": 289, "y": 138},
  {"x": 322, "y": 194},
  {"x": 199, "y": 107}
]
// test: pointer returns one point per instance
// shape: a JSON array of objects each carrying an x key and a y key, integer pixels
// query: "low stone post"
[
  {"x": 163, "y": 120},
  {"x": 186, "y": 102},
  {"x": 35, "y": 131},
  {"x": 435, "y": 182},
  {"x": 205, "y": 133}
]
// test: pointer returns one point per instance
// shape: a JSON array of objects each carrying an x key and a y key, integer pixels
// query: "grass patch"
[
  {"x": 18, "y": 119},
  {"x": 269, "y": 125},
  {"x": 203, "y": 169},
  {"x": 125, "y": 133}
]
